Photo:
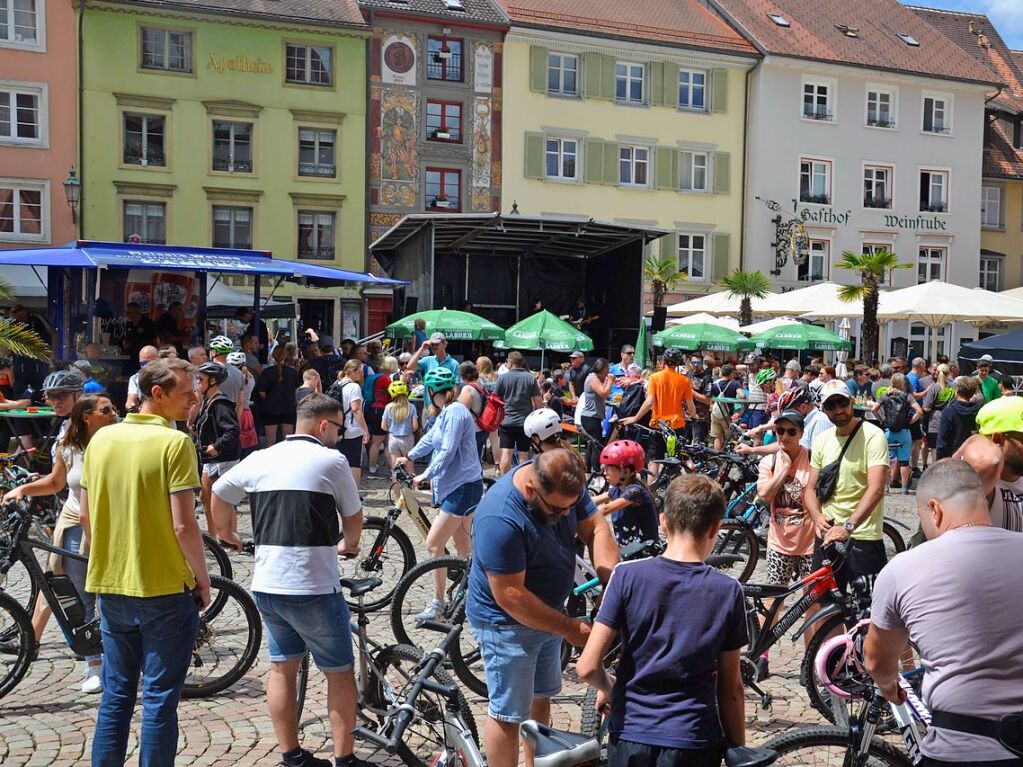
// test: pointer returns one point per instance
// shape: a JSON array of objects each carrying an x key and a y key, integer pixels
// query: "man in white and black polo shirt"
[{"x": 302, "y": 496}]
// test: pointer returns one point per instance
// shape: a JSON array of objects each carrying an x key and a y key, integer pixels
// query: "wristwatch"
[{"x": 849, "y": 527}]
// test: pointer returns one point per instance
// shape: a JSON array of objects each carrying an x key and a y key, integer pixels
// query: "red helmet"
[{"x": 622, "y": 453}]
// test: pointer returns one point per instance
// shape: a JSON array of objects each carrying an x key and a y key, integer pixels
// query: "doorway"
[{"x": 318, "y": 314}]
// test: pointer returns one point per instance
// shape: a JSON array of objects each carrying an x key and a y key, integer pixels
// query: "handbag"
[{"x": 827, "y": 478}]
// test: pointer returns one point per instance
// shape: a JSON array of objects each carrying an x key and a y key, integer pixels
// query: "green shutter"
[
  {"x": 593, "y": 162},
  {"x": 537, "y": 69},
  {"x": 607, "y": 77},
  {"x": 611, "y": 175},
  {"x": 534, "y": 155},
  {"x": 669, "y": 247},
  {"x": 719, "y": 90},
  {"x": 666, "y": 167},
  {"x": 656, "y": 82},
  {"x": 722, "y": 168},
  {"x": 598, "y": 76},
  {"x": 671, "y": 85},
  {"x": 721, "y": 245}
]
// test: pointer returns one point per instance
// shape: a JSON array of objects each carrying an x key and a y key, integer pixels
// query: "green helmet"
[
  {"x": 881, "y": 391},
  {"x": 765, "y": 376},
  {"x": 439, "y": 379}
]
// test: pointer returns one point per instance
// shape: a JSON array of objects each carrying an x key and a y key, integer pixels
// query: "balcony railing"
[
  {"x": 934, "y": 207},
  {"x": 321, "y": 170},
  {"x": 323, "y": 254},
  {"x": 444, "y": 66},
  {"x": 135, "y": 157},
  {"x": 817, "y": 114},
  {"x": 877, "y": 202},
  {"x": 816, "y": 199},
  {"x": 937, "y": 128},
  {"x": 881, "y": 122},
  {"x": 228, "y": 165}
]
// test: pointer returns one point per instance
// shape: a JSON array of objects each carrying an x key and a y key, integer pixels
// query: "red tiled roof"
[
  {"x": 1001, "y": 160},
  {"x": 477, "y": 11},
  {"x": 329, "y": 12},
  {"x": 678, "y": 22},
  {"x": 812, "y": 35}
]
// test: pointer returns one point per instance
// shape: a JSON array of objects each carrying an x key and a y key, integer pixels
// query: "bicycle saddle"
[
  {"x": 360, "y": 586},
  {"x": 744, "y": 756},
  {"x": 556, "y": 748}
]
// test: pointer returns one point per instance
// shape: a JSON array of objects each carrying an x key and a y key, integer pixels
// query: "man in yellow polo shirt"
[{"x": 146, "y": 563}]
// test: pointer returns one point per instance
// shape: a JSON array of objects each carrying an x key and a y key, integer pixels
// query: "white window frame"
[
  {"x": 632, "y": 162},
  {"x": 928, "y": 256},
  {"x": 560, "y": 152},
  {"x": 691, "y": 87},
  {"x": 167, "y": 32},
  {"x": 694, "y": 166},
  {"x": 949, "y": 110},
  {"x": 830, "y": 176},
  {"x": 41, "y": 93},
  {"x": 832, "y": 98},
  {"x": 869, "y": 247},
  {"x": 946, "y": 187},
  {"x": 31, "y": 185},
  {"x": 39, "y": 45},
  {"x": 146, "y": 203},
  {"x": 691, "y": 252},
  {"x": 630, "y": 78},
  {"x": 987, "y": 272},
  {"x": 874, "y": 167},
  {"x": 822, "y": 254},
  {"x": 562, "y": 57},
  {"x": 986, "y": 205},
  {"x": 893, "y": 105},
  {"x": 233, "y": 215},
  {"x": 317, "y": 135}
]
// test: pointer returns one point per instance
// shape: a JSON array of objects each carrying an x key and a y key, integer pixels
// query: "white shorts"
[
  {"x": 217, "y": 470},
  {"x": 400, "y": 445}
]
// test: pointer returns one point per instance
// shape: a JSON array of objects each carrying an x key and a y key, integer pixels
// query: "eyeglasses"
[
  {"x": 781, "y": 432},
  {"x": 837, "y": 402},
  {"x": 557, "y": 510},
  {"x": 107, "y": 409},
  {"x": 339, "y": 426}
]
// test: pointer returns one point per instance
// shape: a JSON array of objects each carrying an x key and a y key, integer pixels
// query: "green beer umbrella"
[
  {"x": 705, "y": 336},
  {"x": 457, "y": 326},
  {"x": 800, "y": 337},
  {"x": 544, "y": 330}
]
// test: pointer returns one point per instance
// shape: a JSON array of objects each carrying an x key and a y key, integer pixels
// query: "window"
[
  {"x": 920, "y": 336},
  {"x": 232, "y": 147},
  {"x": 19, "y": 22},
  {"x": 308, "y": 64},
  {"x": 816, "y": 267},
  {"x": 22, "y": 208},
  {"x": 908, "y": 39},
  {"x": 562, "y": 74},
  {"x": 817, "y": 101},
  {"x": 934, "y": 191},
  {"x": 930, "y": 265},
  {"x": 444, "y": 59},
  {"x": 692, "y": 255},
  {"x": 315, "y": 235},
  {"x": 561, "y": 158},
  {"x": 991, "y": 273},
  {"x": 991, "y": 206},
  {"x": 815, "y": 181},
  {"x": 778, "y": 19},
  {"x": 692, "y": 89},
  {"x": 144, "y": 140},
  {"x": 880, "y": 108},
  {"x": 694, "y": 171},
  {"x": 21, "y": 116},
  {"x": 147, "y": 221},
  {"x": 877, "y": 186},
  {"x": 629, "y": 82},
  {"x": 232, "y": 227},
  {"x": 166, "y": 49},
  {"x": 937, "y": 114},
  {"x": 871, "y": 248},
  {"x": 443, "y": 189},
  {"x": 633, "y": 165},
  {"x": 316, "y": 152},
  {"x": 444, "y": 121}
]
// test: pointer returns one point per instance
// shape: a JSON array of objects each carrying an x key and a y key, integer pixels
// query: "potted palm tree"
[
  {"x": 872, "y": 268},
  {"x": 747, "y": 286},
  {"x": 663, "y": 275}
]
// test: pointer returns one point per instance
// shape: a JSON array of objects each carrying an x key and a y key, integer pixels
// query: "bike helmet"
[
  {"x": 542, "y": 424},
  {"x": 673, "y": 356},
  {"x": 397, "y": 389},
  {"x": 439, "y": 379},
  {"x": 221, "y": 344},
  {"x": 766, "y": 377},
  {"x": 622, "y": 453},
  {"x": 62, "y": 381},
  {"x": 214, "y": 370},
  {"x": 794, "y": 397},
  {"x": 839, "y": 664},
  {"x": 236, "y": 358}
]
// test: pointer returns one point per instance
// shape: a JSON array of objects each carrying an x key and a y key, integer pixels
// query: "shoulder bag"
[{"x": 827, "y": 477}]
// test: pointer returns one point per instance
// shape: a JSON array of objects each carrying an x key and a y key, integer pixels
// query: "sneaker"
[
  {"x": 306, "y": 759},
  {"x": 905, "y": 489},
  {"x": 916, "y": 472},
  {"x": 763, "y": 669},
  {"x": 432, "y": 612},
  {"x": 93, "y": 682},
  {"x": 895, "y": 483},
  {"x": 373, "y": 470}
]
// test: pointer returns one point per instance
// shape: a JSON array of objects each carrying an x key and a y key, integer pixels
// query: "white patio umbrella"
[
  {"x": 719, "y": 303},
  {"x": 765, "y": 325},
  {"x": 844, "y": 328},
  {"x": 1013, "y": 293},
  {"x": 799, "y": 302},
  {"x": 693, "y": 319}
]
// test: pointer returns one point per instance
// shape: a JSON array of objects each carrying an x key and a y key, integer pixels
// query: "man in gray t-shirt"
[
  {"x": 521, "y": 396},
  {"x": 957, "y": 598}
]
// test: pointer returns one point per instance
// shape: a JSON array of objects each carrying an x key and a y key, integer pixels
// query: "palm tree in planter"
[
  {"x": 746, "y": 285},
  {"x": 873, "y": 267},
  {"x": 663, "y": 275}
]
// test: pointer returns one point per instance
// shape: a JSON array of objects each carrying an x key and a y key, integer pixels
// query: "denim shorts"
[
  {"x": 520, "y": 664},
  {"x": 320, "y": 623},
  {"x": 463, "y": 499},
  {"x": 899, "y": 444}
]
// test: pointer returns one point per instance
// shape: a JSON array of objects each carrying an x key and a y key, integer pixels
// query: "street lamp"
[{"x": 73, "y": 193}]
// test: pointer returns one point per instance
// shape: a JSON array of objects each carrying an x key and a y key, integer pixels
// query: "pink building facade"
[{"x": 38, "y": 121}]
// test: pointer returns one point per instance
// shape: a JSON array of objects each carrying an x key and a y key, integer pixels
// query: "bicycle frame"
[{"x": 820, "y": 586}]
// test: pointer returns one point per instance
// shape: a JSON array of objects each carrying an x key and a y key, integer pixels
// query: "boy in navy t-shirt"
[{"x": 678, "y": 696}]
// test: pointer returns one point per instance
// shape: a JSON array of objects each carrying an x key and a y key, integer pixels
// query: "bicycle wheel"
[
  {"x": 217, "y": 560},
  {"x": 227, "y": 643},
  {"x": 737, "y": 539},
  {"x": 17, "y": 645},
  {"x": 301, "y": 687},
  {"x": 417, "y": 589},
  {"x": 467, "y": 660},
  {"x": 829, "y": 747},
  {"x": 390, "y": 556},
  {"x": 894, "y": 543}
]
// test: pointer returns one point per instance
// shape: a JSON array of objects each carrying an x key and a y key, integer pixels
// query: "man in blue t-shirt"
[
  {"x": 619, "y": 369},
  {"x": 524, "y": 537},
  {"x": 438, "y": 344}
]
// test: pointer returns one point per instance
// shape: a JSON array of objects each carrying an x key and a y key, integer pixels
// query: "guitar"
[{"x": 580, "y": 323}]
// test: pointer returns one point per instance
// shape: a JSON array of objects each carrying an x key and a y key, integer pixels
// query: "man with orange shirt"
[{"x": 667, "y": 392}]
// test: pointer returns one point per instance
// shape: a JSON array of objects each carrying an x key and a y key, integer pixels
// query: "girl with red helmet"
[{"x": 627, "y": 501}]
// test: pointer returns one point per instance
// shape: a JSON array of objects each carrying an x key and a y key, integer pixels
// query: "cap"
[
  {"x": 1000, "y": 416},
  {"x": 84, "y": 365},
  {"x": 326, "y": 342},
  {"x": 438, "y": 338},
  {"x": 985, "y": 358},
  {"x": 792, "y": 365},
  {"x": 576, "y": 354},
  {"x": 834, "y": 388},
  {"x": 792, "y": 416}
]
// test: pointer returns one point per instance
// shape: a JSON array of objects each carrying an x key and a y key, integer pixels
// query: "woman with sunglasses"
[{"x": 90, "y": 414}]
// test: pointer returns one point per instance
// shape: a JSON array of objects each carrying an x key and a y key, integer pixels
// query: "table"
[{"x": 40, "y": 420}]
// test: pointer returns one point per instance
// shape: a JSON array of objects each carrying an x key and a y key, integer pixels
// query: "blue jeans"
[
  {"x": 75, "y": 570},
  {"x": 152, "y": 637},
  {"x": 520, "y": 664}
]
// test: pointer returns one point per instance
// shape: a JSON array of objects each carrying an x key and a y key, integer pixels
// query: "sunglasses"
[
  {"x": 629, "y": 352},
  {"x": 107, "y": 409},
  {"x": 335, "y": 423},
  {"x": 781, "y": 431},
  {"x": 837, "y": 402}
]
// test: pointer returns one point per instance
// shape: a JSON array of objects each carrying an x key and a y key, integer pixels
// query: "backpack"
[
  {"x": 368, "y": 384},
  {"x": 632, "y": 400},
  {"x": 337, "y": 392},
  {"x": 492, "y": 414},
  {"x": 897, "y": 410}
]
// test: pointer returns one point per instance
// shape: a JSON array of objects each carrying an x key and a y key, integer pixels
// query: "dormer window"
[
  {"x": 778, "y": 19},
  {"x": 908, "y": 39},
  {"x": 848, "y": 31}
]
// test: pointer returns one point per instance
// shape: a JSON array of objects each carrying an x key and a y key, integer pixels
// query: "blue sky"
[{"x": 1006, "y": 15}]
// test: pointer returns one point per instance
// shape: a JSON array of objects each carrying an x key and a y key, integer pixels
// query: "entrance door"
[{"x": 318, "y": 314}]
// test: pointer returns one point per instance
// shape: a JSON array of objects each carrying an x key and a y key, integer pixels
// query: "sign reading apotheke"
[
  {"x": 919, "y": 222},
  {"x": 239, "y": 63}
]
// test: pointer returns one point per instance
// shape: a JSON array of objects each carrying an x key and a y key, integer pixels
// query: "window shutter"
[
  {"x": 928, "y": 114},
  {"x": 595, "y": 71},
  {"x": 669, "y": 247},
  {"x": 666, "y": 161},
  {"x": 656, "y": 75},
  {"x": 611, "y": 171},
  {"x": 722, "y": 168},
  {"x": 537, "y": 69},
  {"x": 607, "y": 77},
  {"x": 719, "y": 90},
  {"x": 721, "y": 245},
  {"x": 671, "y": 84},
  {"x": 534, "y": 155},
  {"x": 594, "y": 161}
]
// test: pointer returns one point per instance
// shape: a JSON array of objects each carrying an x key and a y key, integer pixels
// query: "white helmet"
[
  {"x": 236, "y": 358},
  {"x": 221, "y": 344},
  {"x": 543, "y": 424}
]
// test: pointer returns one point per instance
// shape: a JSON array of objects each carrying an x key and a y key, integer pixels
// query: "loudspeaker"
[
  {"x": 660, "y": 319},
  {"x": 411, "y": 305}
]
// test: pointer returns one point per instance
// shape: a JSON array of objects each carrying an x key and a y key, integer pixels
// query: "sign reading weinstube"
[
  {"x": 239, "y": 63},
  {"x": 918, "y": 222}
]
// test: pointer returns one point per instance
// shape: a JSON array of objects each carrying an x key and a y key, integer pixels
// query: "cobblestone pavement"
[{"x": 47, "y": 721}]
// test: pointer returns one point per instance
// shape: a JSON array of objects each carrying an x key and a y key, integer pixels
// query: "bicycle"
[{"x": 218, "y": 659}]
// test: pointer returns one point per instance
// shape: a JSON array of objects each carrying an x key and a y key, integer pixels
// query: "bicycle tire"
[
  {"x": 467, "y": 660},
  {"x": 17, "y": 649},
  {"x": 738, "y": 538},
  {"x": 236, "y": 662},
  {"x": 411, "y": 596},
  {"x": 812, "y": 741},
  {"x": 301, "y": 687},
  {"x": 390, "y": 559},
  {"x": 215, "y": 555},
  {"x": 894, "y": 542}
]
